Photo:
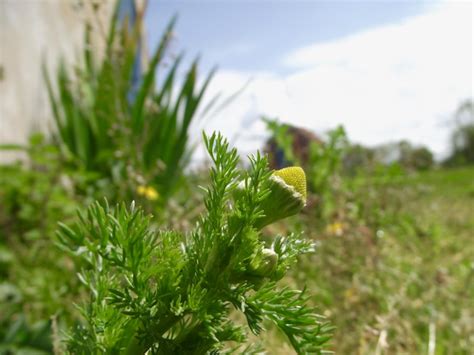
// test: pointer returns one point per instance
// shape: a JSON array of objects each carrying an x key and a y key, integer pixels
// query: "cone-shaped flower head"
[
  {"x": 287, "y": 195},
  {"x": 294, "y": 177}
]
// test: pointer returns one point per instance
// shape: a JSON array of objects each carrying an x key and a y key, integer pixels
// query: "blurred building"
[
  {"x": 301, "y": 140},
  {"x": 33, "y": 33}
]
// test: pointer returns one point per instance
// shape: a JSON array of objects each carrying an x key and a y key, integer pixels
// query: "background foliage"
[{"x": 127, "y": 132}]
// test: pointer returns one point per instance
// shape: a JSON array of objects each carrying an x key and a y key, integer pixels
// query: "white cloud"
[{"x": 389, "y": 83}]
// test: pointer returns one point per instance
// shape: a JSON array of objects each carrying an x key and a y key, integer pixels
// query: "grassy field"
[
  {"x": 399, "y": 277},
  {"x": 393, "y": 270}
]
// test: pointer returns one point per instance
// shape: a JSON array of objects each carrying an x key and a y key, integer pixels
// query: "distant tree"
[
  {"x": 421, "y": 158},
  {"x": 358, "y": 157},
  {"x": 462, "y": 138},
  {"x": 414, "y": 158},
  {"x": 407, "y": 156}
]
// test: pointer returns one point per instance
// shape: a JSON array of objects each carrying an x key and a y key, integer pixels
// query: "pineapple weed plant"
[
  {"x": 164, "y": 292},
  {"x": 114, "y": 138}
]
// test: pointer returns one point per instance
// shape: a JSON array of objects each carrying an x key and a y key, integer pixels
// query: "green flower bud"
[
  {"x": 265, "y": 263},
  {"x": 287, "y": 195}
]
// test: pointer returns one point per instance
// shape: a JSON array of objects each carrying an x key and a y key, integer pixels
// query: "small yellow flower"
[
  {"x": 351, "y": 295},
  {"x": 151, "y": 194},
  {"x": 336, "y": 228},
  {"x": 148, "y": 192},
  {"x": 141, "y": 190}
]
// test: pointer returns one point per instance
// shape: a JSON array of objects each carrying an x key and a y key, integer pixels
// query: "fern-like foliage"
[{"x": 166, "y": 293}]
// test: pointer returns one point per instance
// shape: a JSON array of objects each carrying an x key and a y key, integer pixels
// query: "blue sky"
[
  {"x": 253, "y": 35},
  {"x": 386, "y": 70}
]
